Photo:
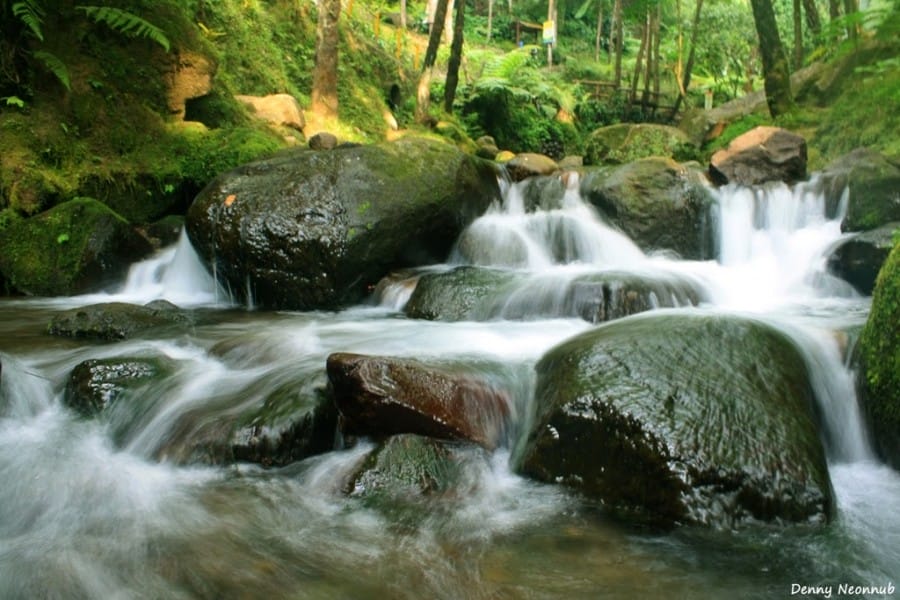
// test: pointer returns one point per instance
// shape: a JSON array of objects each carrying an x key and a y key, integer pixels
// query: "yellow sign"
[{"x": 549, "y": 31}]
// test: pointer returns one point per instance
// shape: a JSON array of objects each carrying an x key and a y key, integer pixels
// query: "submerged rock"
[
  {"x": 676, "y": 418},
  {"x": 308, "y": 230},
  {"x": 480, "y": 294},
  {"x": 872, "y": 182},
  {"x": 381, "y": 396},
  {"x": 657, "y": 202},
  {"x": 858, "y": 259},
  {"x": 95, "y": 384},
  {"x": 76, "y": 247},
  {"x": 117, "y": 320},
  {"x": 880, "y": 354},
  {"x": 407, "y": 467},
  {"x": 762, "y": 154}
]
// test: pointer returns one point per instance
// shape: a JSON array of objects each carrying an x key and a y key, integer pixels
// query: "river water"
[{"x": 104, "y": 509}]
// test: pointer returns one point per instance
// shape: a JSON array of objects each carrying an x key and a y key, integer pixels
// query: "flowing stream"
[{"x": 103, "y": 509}]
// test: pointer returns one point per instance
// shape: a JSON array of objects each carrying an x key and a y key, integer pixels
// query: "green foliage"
[
  {"x": 126, "y": 23},
  {"x": 13, "y": 101},
  {"x": 31, "y": 14},
  {"x": 53, "y": 64}
]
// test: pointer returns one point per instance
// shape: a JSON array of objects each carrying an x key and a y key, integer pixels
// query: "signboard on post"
[{"x": 549, "y": 32}]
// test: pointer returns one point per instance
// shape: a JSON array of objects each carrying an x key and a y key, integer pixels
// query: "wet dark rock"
[
  {"x": 762, "y": 154},
  {"x": 76, "y": 247},
  {"x": 657, "y": 202},
  {"x": 480, "y": 294},
  {"x": 407, "y": 466},
  {"x": 857, "y": 260},
  {"x": 95, "y": 384},
  {"x": 880, "y": 362},
  {"x": 672, "y": 419},
  {"x": 164, "y": 232},
  {"x": 873, "y": 197},
  {"x": 323, "y": 141},
  {"x": 312, "y": 230},
  {"x": 118, "y": 320},
  {"x": 380, "y": 396}
]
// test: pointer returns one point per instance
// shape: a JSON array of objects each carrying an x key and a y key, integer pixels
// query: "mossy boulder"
[
  {"x": 872, "y": 182},
  {"x": 480, "y": 294},
  {"x": 312, "y": 230},
  {"x": 627, "y": 142},
  {"x": 95, "y": 384},
  {"x": 382, "y": 396},
  {"x": 762, "y": 154},
  {"x": 76, "y": 247},
  {"x": 678, "y": 418},
  {"x": 657, "y": 202},
  {"x": 858, "y": 259},
  {"x": 113, "y": 321},
  {"x": 880, "y": 349}
]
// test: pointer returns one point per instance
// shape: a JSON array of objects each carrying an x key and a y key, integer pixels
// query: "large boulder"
[
  {"x": 659, "y": 203},
  {"x": 858, "y": 259},
  {"x": 760, "y": 155},
  {"x": 880, "y": 349},
  {"x": 680, "y": 418},
  {"x": 480, "y": 294},
  {"x": 113, "y": 321},
  {"x": 872, "y": 183},
  {"x": 97, "y": 383},
  {"x": 528, "y": 164},
  {"x": 310, "y": 230},
  {"x": 382, "y": 396},
  {"x": 627, "y": 142},
  {"x": 76, "y": 247},
  {"x": 275, "y": 109}
]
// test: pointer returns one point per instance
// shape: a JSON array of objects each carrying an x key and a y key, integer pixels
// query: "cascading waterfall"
[{"x": 102, "y": 508}]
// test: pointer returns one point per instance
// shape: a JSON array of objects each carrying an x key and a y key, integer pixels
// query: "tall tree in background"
[
  {"x": 798, "y": 34},
  {"x": 455, "y": 57},
  {"x": 775, "y": 64},
  {"x": 617, "y": 32},
  {"x": 324, "y": 87},
  {"x": 813, "y": 20},
  {"x": 685, "y": 81},
  {"x": 423, "y": 90}
]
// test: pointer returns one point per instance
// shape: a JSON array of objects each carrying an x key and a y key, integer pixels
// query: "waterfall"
[{"x": 175, "y": 274}]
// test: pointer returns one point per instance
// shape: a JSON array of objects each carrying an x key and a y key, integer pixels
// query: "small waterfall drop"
[{"x": 175, "y": 274}]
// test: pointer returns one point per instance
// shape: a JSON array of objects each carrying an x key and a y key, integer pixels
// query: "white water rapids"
[{"x": 94, "y": 508}]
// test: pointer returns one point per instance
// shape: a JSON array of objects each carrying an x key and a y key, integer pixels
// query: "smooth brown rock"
[
  {"x": 760, "y": 155},
  {"x": 276, "y": 109}
]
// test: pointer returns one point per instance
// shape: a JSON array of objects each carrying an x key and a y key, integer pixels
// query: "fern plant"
[
  {"x": 31, "y": 14},
  {"x": 126, "y": 23}
]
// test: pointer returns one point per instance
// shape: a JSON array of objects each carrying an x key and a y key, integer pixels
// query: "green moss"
[{"x": 880, "y": 344}]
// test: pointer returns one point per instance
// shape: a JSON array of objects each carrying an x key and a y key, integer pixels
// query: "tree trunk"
[
  {"x": 813, "y": 20},
  {"x": 850, "y": 7},
  {"x": 490, "y": 22},
  {"x": 656, "y": 58},
  {"x": 689, "y": 66},
  {"x": 403, "y": 15},
  {"x": 551, "y": 16},
  {"x": 834, "y": 9},
  {"x": 775, "y": 65},
  {"x": 638, "y": 62},
  {"x": 599, "y": 31},
  {"x": 448, "y": 21},
  {"x": 798, "y": 34},
  {"x": 324, "y": 87},
  {"x": 455, "y": 57},
  {"x": 617, "y": 31},
  {"x": 423, "y": 91}
]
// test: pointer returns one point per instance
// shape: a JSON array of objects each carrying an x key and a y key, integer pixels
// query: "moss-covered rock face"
[
  {"x": 96, "y": 384},
  {"x": 308, "y": 230},
  {"x": 76, "y": 247},
  {"x": 117, "y": 320},
  {"x": 880, "y": 344},
  {"x": 476, "y": 293},
  {"x": 681, "y": 419},
  {"x": 658, "y": 203},
  {"x": 627, "y": 142},
  {"x": 873, "y": 185}
]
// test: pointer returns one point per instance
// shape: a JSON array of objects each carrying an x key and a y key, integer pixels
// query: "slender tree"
[
  {"x": 455, "y": 57},
  {"x": 324, "y": 89},
  {"x": 774, "y": 61},
  {"x": 617, "y": 32},
  {"x": 423, "y": 91},
  {"x": 599, "y": 30},
  {"x": 490, "y": 23},
  {"x": 813, "y": 20},
  {"x": 798, "y": 34},
  {"x": 685, "y": 81}
]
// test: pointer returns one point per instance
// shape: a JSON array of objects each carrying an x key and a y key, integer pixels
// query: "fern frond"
[
  {"x": 126, "y": 23},
  {"x": 31, "y": 13},
  {"x": 506, "y": 65},
  {"x": 52, "y": 63}
]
